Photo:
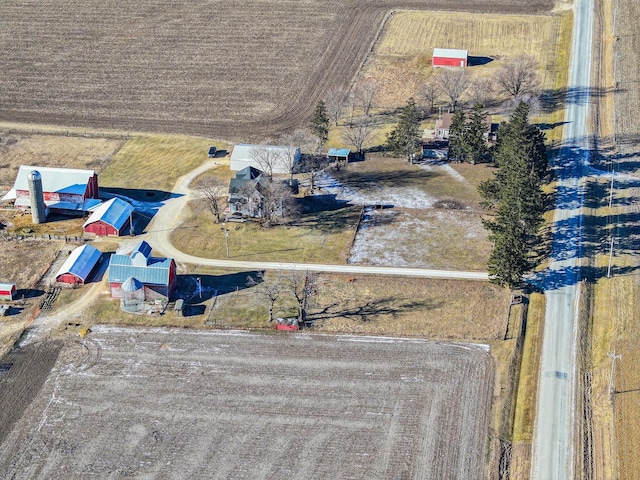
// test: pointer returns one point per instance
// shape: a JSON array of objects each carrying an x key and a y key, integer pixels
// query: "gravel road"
[{"x": 555, "y": 422}]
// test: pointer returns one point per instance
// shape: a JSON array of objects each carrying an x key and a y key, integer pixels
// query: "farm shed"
[
  {"x": 110, "y": 218},
  {"x": 339, "y": 155},
  {"x": 79, "y": 265},
  {"x": 65, "y": 190},
  {"x": 7, "y": 291},
  {"x": 245, "y": 155},
  {"x": 448, "y": 57},
  {"x": 157, "y": 275}
]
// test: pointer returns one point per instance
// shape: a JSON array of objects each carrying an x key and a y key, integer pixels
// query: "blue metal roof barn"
[
  {"x": 109, "y": 218},
  {"x": 79, "y": 265},
  {"x": 141, "y": 266}
]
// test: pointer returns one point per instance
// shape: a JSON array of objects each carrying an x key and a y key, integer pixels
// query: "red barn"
[
  {"x": 447, "y": 57},
  {"x": 79, "y": 265},
  {"x": 65, "y": 190},
  {"x": 110, "y": 218},
  {"x": 7, "y": 291}
]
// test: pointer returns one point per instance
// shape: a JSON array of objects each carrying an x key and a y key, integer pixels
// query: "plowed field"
[
  {"x": 225, "y": 69},
  {"x": 213, "y": 405}
]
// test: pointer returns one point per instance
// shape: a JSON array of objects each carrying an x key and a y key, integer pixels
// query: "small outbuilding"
[
  {"x": 79, "y": 265},
  {"x": 448, "y": 57},
  {"x": 7, "y": 291},
  {"x": 111, "y": 218},
  {"x": 339, "y": 155}
]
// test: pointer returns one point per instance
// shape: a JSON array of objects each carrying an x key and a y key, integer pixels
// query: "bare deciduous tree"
[
  {"x": 335, "y": 103},
  {"x": 357, "y": 133},
  {"x": 365, "y": 95},
  {"x": 277, "y": 201},
  {"x": 266, "y": 158},
  {"x": 214, "y": 191},
  {"x": 517, "y": 77},
  {"x": 269, "y": 290},
  {"x": 481, "y": 90},
  {"x": 430, "y": 92},
  {"x": 302, "y": 286},
  {"x": 289, "y": 159},
  {"x": 454, "y": 82}
]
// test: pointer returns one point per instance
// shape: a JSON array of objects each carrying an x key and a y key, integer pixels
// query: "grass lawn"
[
  {"x": 156, "y": 161},
  {"x": 320, "y": 237}
]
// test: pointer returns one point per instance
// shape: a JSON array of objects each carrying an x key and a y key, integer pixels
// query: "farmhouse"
[
  {"x": 154, "y": 278},
  {"x": 259, "y": 156},
  {"x": 112, "y": 218},
  {"x": 244, "y": 197},
  {"x": 447, "y": 57},
  {"x": 7, "y": 291},
  {"x": 79, "y": 265},
  {"x": 65, "y": 190},
  {"x": 443, "y": 125}
]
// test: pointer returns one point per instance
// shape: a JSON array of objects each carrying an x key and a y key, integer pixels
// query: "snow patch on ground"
[
  {"x": 444, "y": 167},
  {"x": 398, "y": 197}
]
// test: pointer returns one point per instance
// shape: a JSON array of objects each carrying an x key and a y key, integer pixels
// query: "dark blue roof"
[
  {"x": 80, "y": 262},
  {"x": 114, "y": 212}
]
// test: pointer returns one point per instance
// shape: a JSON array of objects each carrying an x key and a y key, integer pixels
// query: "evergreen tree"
[
  {"x": 456, "y": 136},
  {"x": 516, "y": 197},
  {"x": 474, "y": 143},
  {"x": 320, "y": 123},
  {"x": 405, "y": 138}
]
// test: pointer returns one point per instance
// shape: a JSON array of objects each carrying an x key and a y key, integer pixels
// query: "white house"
[{"x": 280, "y": 158}]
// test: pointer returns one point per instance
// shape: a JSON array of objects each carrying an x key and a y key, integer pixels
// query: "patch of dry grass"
[
  {"x": 402, "y": 58},
  {"x": 156, "y": 161},
  {"x": 443, "y": 309},
  {"x": 528, "y": 382},
  {"x": 323, "y": 237},
  {"x": 52, "y": 151}
]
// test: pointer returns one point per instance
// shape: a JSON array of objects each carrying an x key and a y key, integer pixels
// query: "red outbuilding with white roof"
[
  {"x": 7, "y": 291},
  {"x": 448, "y": 57}
]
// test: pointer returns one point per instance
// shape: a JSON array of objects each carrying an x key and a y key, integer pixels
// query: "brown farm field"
[
  {"x": 224, "y": 69},
  {"x": 193, "y": 404}
]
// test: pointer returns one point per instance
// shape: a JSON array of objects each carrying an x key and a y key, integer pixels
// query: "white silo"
[{"x": 36, "y": 195}]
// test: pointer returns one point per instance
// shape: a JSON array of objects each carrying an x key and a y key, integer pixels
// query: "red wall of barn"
[
  {"x": 101, "y": 229},
  {"x": 448, "y": 62},
  {"x": 69, "y": 278},
  {"x": 92, "y": 188}
]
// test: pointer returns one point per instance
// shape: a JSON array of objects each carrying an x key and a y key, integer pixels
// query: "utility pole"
[
  {"x": 613, "y": 358},
  {"x": 226, "y": 237},
  {"x": 610, "y": 258}
]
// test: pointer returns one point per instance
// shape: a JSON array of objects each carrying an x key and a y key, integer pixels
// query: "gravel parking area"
[{"x": 168, "y": 403}]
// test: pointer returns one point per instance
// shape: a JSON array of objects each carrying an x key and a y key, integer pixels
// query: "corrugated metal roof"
[
  {"x": 131, "y": 285},
  {"x": 62, "y": 180},
  {"x": 80, "y": 262},
  {"x": 6, "y": 287},
  {"x": 241, "y": 156},
  {"x": 156, "y": 272},
  {"x": 114, "y": 212},
  {"x": 450, "y": 53},
  {"x": 339, "y": 152}
]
